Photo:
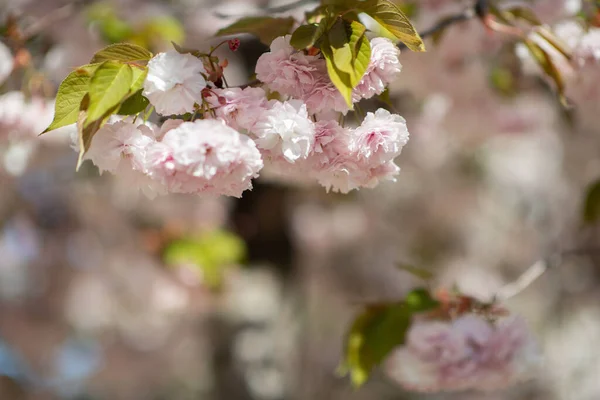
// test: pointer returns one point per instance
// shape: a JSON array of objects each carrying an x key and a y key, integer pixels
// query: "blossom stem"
[{"x": 148, "y": 113}]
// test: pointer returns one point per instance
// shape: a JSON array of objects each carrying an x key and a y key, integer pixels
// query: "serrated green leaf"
[
  {"x": 125, "y": 52},
  {"x": 304, "y": 36},
  {"x": 108, "y": 88},
  {"x": 70, "y": 93},
  {"x": 138, "y": 78},
  {"x": 591, "y": 206},
  {"x": 134, "y": 104},
  {"x": 391, "y": 17},
  {"x": 380, "y": 329},
  {"x": 265, "y": 28}
]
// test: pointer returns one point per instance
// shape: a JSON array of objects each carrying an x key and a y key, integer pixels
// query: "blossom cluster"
[
  {"x": 204, "y": 156},
  {"x": 241, "y": 129},
  {"x": 470, "y": 352}
]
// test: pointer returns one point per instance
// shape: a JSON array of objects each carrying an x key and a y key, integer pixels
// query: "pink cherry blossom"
[
  {"x": 240, "y": 108},
  {"x": 383, "y": 69},
  {"x": 204, "y": 157},
  {"x": 174, "y": 82},
  {"x": 286, "y": 70},
  {"x": 119, "y": 142},
  {"x": 285, "y": 129},
  {"x": 468, "y": 353},
  {"x": 381, "y": 136}
]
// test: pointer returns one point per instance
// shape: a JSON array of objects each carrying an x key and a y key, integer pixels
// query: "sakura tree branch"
[{"x": 536, "y": 270}]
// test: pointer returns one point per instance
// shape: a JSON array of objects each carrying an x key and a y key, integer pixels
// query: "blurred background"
[{"x": 106, "y": 295}]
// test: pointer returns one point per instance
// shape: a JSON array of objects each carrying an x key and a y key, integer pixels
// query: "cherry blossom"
[
  {"x": 240, "y": 108},
  {"x": 174, "y": 82},
  {"x": 204, "y": 157},
  {"x": 285, "y": 129},
  {"x": 467, "y": 353}
]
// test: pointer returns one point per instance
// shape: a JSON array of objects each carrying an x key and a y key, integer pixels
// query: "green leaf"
[
  {"x": 380, "y": 329},
  {"x": 211, "y": 253},
  {"x": 341, "y": 79},
  {"x": 391, "y": 17},
  {"x": 545, "y": 61},
  {"x": 138, "y": 78},
  {"x": 159, "y": 30},
  {"x": 305, "y": 36},
  {"x": 87, "y": 129},
  {"x": 134, "y": 104},
  {"x": 70, "y": 93},
  {"x": 108, "y": 88},
  {"x": 125, "y": 52},
  {"x": 265, "y": 28},
  {"x": 591, "y": 207},
  {"x": 361, "y": 51},
  {"x": 347, "y": 52}
]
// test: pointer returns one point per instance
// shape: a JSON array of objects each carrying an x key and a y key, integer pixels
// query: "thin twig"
[
  {"x": 51, "y": 18},
  {"x": 443, "y": 24},
  {"x": 527, "y": 278},
  {"x": 532, "y": 273}
]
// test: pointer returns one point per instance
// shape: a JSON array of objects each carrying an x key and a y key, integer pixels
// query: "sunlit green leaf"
[
  {"x": 70, "y": 93},
  {"x": 138, "y": 77},
  {"x": 163, "y": 29},
  {"x": 304, "y": 36},
  {"x": 125, "y": 52},
  {"x": 109, "y": 85},
  {"x": 265, "y": 28},
  {"x": 394, "y": 20},
  {"x": 211, "y": 253},
  {"x": 380, "y": 329},
  {"x": 341, "y": 80}
]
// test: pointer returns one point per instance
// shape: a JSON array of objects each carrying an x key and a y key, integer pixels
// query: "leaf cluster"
[
  {"x": 110, "y": 84},
  {"x": 335, "y": 30}
]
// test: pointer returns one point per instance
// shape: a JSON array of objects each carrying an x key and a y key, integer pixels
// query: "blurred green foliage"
[
  {"x": 211, "y": 253},
  {"x": 151, "y": 33}
]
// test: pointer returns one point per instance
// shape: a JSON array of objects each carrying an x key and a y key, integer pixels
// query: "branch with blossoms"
[{"x": 290, "y": 122}]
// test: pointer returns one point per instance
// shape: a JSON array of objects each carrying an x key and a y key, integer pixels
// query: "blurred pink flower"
[{"x": 468, "y": 353}]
